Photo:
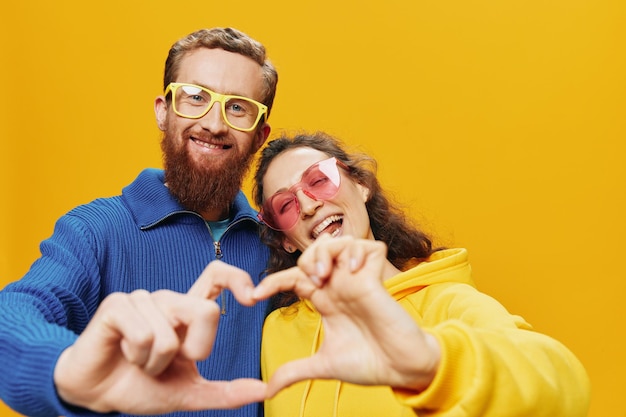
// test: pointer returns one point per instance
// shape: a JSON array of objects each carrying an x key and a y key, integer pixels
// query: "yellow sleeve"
[{"x": 493, "y": 364}]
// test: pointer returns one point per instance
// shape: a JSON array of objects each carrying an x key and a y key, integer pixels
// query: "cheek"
[
  {"x": 357, "y": 212},
  {"x": 300, "y": 237},
  {"x": 242, "y": 147},
  {"x": 244, "y": 142},
  {"x": 173, "y": 128}
]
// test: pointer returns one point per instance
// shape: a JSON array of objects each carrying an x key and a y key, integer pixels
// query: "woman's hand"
[{"x": 369, "y": 339}]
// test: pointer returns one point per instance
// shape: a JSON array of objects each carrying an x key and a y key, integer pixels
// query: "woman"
[{"x": 375, "y": 322}]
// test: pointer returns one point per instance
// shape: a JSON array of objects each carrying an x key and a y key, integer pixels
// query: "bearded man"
[{"x": 102, "y": 322}]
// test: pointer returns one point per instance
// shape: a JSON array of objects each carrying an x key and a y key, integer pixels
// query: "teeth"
[
  {"x": 323, "y": 225},
  {"x": 206, "y": 145}
]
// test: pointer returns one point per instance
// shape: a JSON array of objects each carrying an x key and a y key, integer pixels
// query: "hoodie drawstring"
[
  {"x": 307, "y": 387},
  {"x": 336, "y": 405}
]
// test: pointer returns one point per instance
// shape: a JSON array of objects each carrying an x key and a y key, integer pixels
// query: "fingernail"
[
  {"x": 353, "y": 264},
  {"x": 254, "y": 293},
  {"x": 320, "y": 268},
  {"x": 315, "y": 279}
]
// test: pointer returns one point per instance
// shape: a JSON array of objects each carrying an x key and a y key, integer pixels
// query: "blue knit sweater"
[{"x": 141, "y": 239}]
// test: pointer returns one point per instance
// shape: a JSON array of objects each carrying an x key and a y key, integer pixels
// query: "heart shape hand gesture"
[{"x": 138, "y": 353}]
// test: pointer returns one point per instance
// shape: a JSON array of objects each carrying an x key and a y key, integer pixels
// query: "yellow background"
[{"x": 501, "y": 124}]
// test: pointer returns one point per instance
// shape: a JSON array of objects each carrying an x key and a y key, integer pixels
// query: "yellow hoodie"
[{"x": 493, "y": 364}]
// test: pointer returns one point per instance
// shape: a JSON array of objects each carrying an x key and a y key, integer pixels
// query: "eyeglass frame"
[
  {"x": 298, "y": 186},
  {"x": 215, "y": 97}
]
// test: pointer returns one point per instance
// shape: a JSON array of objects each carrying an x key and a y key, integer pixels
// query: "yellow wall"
[{"x": 500, "y": 123}]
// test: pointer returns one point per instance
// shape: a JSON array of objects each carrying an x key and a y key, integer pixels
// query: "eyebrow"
[
  {"x": 228, "y": 93},
  {"x": 283, "y": 189}
]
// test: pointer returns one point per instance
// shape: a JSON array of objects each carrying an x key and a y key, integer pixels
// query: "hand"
[
  {"x": 369, "y": 338},
  {"x": 138, "y": 353}
]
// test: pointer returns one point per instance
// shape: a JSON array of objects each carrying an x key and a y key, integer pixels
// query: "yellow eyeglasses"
[{"x": 193, "y": 101}]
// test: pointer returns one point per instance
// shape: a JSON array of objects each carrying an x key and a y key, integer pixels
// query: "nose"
[
  {"x": 308, "y": 203},
  {"x": 213, "y": 121}
]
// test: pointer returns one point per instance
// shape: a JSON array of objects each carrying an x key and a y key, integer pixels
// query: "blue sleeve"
[{"x": 43, "y": 313}]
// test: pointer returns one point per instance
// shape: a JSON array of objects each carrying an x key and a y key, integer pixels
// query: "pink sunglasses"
[{"x": 320, "y": 182}]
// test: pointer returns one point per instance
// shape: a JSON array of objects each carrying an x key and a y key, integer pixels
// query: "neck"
[
  {"x": 214, "y": 215},
  {"x": 389, "y": 271}
]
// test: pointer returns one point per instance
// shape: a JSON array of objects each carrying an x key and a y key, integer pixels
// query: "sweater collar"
[{"x": 150, "y": 201}]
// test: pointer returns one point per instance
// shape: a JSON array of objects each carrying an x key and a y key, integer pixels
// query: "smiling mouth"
[
  {"x": 209, "y": 145},
  {"x": 331, "y": 225}
]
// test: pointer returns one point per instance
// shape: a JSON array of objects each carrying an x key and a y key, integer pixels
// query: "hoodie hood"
[{"x": 445, "y": 266}]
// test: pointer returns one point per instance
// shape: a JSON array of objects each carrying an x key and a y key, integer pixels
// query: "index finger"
[
  {"x": 292, "y": 279},
  {"x": 321, "y": 257},
  {"x": 219, "y": 275}
]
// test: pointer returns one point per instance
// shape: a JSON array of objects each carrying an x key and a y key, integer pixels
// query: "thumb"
[{"x": 294, "y": 371}]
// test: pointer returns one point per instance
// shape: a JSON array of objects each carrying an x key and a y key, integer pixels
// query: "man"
[{"x": 102, "y": 322}]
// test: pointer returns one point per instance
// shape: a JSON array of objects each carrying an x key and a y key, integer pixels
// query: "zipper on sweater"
[
  {"x": 219, "y": 255},
  {"x": 218, "y": 250}
]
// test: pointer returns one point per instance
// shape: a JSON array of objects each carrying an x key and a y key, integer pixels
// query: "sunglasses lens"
[
  {"x": 320, "y": 182},
  {"x": 282, "y": 210}
]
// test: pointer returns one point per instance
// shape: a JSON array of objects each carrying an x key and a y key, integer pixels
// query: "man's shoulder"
[
  {"x": 101, "y": 211},
  {"x": 148, "y": 178},
  {"x": 105, "y": 210}
]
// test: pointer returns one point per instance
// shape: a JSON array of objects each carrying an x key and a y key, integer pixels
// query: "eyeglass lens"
[
  {"x": 319, "y": 182},
  {"x": 193, "y": 101}
]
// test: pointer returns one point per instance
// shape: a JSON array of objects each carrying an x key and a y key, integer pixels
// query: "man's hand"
[{"x": 138, "y": 353}]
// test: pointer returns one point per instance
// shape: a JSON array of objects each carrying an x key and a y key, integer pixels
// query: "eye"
[
  {"x": 286, "y": 206},
  {"x": 238, "y": 107},
  {"x": 283, "y": 202},
  {"x": 193, "y": 95},
  {"x": 316, "y": 180}
]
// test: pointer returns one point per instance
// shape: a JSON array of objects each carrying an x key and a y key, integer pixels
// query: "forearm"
[
  {"x": 42, "y": 314},
  {"x": 30, "y": 348},
  {"x": 502, "y": 373}
]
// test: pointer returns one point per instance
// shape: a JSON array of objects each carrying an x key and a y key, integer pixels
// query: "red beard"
[{"x": 205, "y": 186}]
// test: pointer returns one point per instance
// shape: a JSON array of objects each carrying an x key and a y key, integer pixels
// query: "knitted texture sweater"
[{"x": 142, "y": 239}]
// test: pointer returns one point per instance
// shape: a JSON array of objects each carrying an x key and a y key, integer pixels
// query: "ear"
[
  {"x": 365, "y": 192},
  {"x": 261, "y": 136},
  {"x": 160, "y": 111},
  {"x": 288, "y": 246}
]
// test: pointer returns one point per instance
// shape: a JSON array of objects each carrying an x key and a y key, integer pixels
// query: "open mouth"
[{"x": 331, "y": 225}]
